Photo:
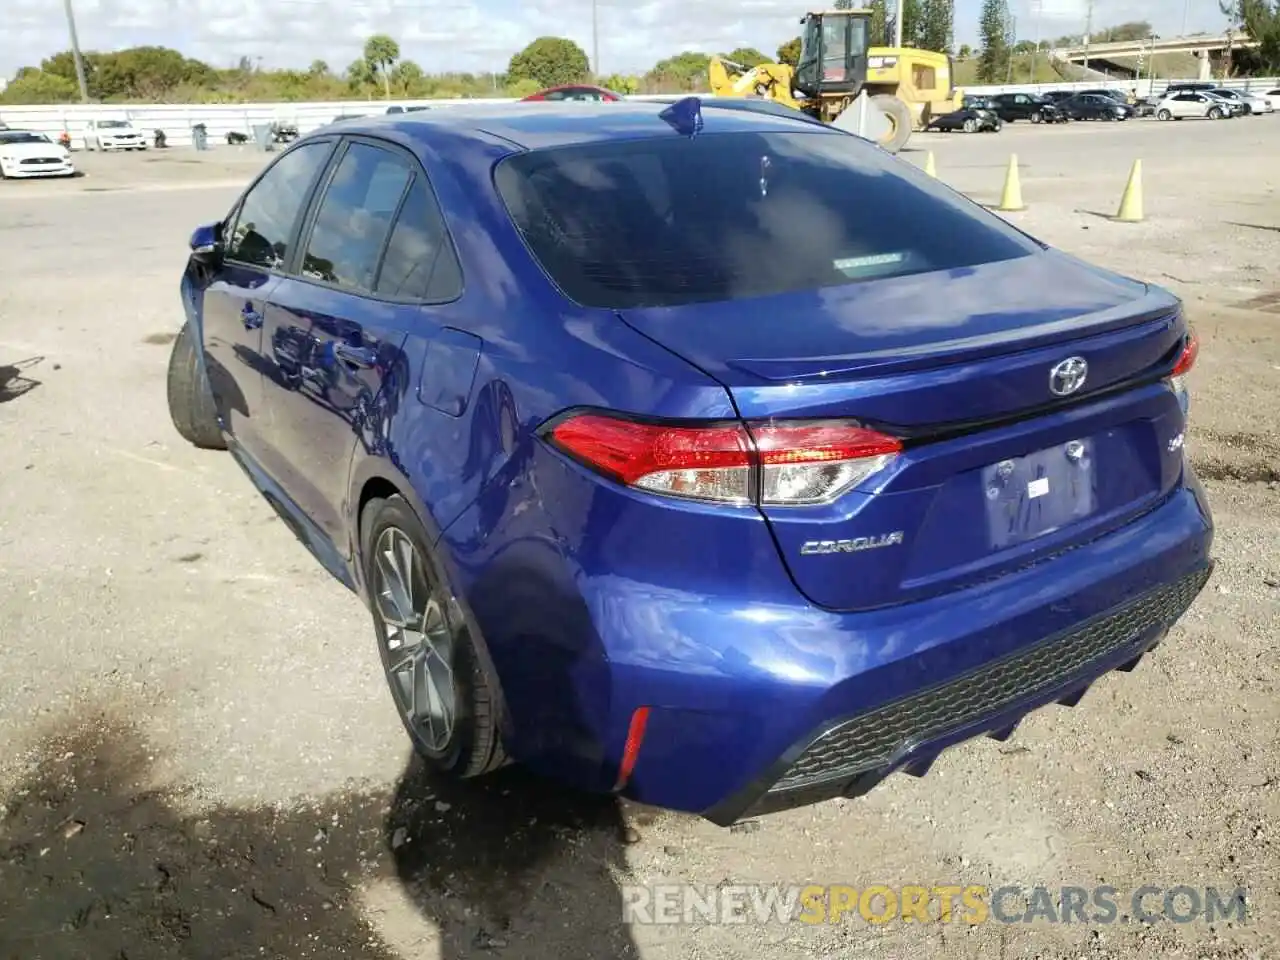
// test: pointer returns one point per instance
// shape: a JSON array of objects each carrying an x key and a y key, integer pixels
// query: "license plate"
[{"x": 1028, "y": 497}]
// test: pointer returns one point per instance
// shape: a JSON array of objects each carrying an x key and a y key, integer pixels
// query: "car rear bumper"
[{"x": 800, "y": 705}]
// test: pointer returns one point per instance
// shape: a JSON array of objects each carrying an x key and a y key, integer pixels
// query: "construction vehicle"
[{"x": 881, "y": 93}]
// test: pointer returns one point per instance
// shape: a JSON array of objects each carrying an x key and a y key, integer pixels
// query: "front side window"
[
  {"x": 670, "y": 221},
  {"x": 270, "y": 210},
  {"x": 354, "y": 218}
]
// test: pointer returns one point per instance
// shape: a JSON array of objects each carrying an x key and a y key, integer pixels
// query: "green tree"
[
  {"x": 1260, "y": 19},
  {"x": 381, "y": 53},
  {"x": 789, "y": 52},
  {"x": 621, "y": 83},
  {"x": 747, "y": 56},
  {"x": 682, "y": 73},
  {"x": 408, "y": 78},
  {"x": 965, "y": 52},
  {"x": 318, "y": 68},
  {"x": 1134, "y": 30},
  {"x": 552, "y": 62},
  {"x": 879, "y": 32},
  {"x": 39, "y": 86},
  {"x": 936, "y": 25},
  {"x": 993, "y": 27}
]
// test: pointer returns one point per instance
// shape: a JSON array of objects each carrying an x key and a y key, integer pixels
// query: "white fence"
[{"x": 176, "y": 120}]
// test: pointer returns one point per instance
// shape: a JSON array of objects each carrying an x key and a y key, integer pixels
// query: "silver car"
[
  {"x": 1192, "y": 103},
  {"x": 1251, "y": 103}
]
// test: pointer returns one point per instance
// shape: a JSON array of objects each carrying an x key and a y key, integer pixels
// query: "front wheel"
[
  {"x": 1215, "y": 114},
  {"x": 899, "y": 116},
  {"x": 1037, "y": 117},
  {"x": 191, "y": 406},
  {"x": 1164, "y": 115},
  {"x": 426, "y": 645},
  {"x": 970, "y": 125}
]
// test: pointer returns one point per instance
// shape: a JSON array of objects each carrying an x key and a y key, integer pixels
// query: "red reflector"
[
  {"x": 1189, "y": 354},
  {"x": 628, "y": 451},
  {"x": 820, "y": 443},
  {"x": 631, "y": 751}
]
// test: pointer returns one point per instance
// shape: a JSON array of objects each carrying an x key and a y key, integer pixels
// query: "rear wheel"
[
  {"x": 899, "y": 116},
  {"x": 191, "y": 406},
  {"x": 425, "y": 642}
]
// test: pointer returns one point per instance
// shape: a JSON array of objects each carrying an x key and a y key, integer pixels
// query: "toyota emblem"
[{"x": 1068, "y": 376}]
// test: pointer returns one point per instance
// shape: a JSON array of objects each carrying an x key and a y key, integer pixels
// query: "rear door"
[
  {"x": 259, "y": 236},
  {"x": 370, "y": 266}
]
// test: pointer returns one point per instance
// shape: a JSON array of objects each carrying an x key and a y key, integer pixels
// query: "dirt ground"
[{"x": 202, "y": 760}]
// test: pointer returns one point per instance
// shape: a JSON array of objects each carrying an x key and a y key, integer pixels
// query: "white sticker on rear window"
[{"x": 856, "y": 265}]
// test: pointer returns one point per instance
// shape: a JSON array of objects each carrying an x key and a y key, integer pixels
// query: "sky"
[{"x": 481, "y": 35}]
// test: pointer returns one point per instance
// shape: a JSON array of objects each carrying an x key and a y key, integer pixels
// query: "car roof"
[{"x": 541, "y": 124}]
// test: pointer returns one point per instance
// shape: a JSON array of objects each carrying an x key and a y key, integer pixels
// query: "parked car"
[
  {"x": 1119, "y": 96},
  {"x": 977, "y": 116},
  {"x": 398, "y": 108},
  {"x": 113, "y": 134},
  {"x": 514, "y": 375},
  {"x": 1026, "y": 106},
  {"x": 27, "y": 154},
  {"x": 1273, "y": 97},
  {"x": 1250, "y": 103},
  {"x": 1188, "y": 86},
  {"x": 1234, "y": 107},
  {"x": 577, "y": 91},
  {"x": 1191, "y": 103},
  {"x": 1095, "y": 106}
]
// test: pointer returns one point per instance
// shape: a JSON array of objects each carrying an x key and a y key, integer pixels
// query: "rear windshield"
[{"x": 670, "y": 221}]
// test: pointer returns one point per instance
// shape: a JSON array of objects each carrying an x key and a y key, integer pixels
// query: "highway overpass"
[{"x": 1207, "y": 48}]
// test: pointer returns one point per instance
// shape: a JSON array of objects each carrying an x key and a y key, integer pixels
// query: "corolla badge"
[
  {"x": 856, "y": 545},
  {"x": 1068, "y": 376}
]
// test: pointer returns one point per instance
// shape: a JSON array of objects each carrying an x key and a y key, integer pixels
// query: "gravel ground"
[{"x": 203, "y": 761}]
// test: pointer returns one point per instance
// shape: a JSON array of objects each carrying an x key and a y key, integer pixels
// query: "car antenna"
[{"x": 685, "y": 116}]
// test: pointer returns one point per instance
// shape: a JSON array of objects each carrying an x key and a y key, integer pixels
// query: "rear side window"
[
  {"x": 420, "y": 263},
  {"x": 354, "y": 218},
  {"x": 671, "y": 220},
  {"x": 272, "y": 206}
]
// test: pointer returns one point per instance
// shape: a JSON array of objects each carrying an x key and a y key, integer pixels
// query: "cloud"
[{"x": 478, "y": 35}]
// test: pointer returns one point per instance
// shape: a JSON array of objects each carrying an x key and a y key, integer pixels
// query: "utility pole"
[
  {"x": 595, "y": 39},
  {"x": 1088, "y": 29},
  {"x": 1037, "y": 7},
  {"x": 897, "y": 24},
  {"x": 75, "y": 52},
  {"x": 1186, "y": 8}
]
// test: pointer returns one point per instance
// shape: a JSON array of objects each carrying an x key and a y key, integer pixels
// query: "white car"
[
  {"x": 1272, "y": 97},
  {"x": 1192, "y": 103},
  {"x": 113, "y": 135},
  {"x": 1252, "y": 103},
  {"x": 26, "y": 153}
]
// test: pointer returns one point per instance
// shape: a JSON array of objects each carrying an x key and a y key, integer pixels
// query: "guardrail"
[{"x": 176, "y": 120}]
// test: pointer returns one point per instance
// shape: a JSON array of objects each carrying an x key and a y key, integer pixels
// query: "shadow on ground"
[
  {"x": 96, "y": 863},
  {"x": 14, "y": 382}
]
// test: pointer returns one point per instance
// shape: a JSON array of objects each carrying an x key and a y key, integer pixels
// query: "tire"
[
  {"x": 899, "y": 115},
  {"x": 191, "y": 406},
  {"x": 1037, "y": 117},
  {"x": 970, "y": 125},
  {"x": 1164, "y": 115},
  {"x": 471, "y": 744},
  {"x": 1215, "y": 113}
]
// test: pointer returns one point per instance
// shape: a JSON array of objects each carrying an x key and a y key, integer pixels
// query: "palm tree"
[{"x": 381, "y": 53}]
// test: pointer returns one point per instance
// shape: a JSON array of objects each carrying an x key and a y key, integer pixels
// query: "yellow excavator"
[{"x": 881, "y": 93}]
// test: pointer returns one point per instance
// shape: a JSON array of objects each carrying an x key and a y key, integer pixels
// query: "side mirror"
[{"x": 206, "y": 241}]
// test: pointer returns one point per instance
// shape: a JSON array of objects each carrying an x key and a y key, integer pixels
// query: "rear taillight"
[
  {"x": 766, "y": 463},
  {"x": 1186, "y": 360}
]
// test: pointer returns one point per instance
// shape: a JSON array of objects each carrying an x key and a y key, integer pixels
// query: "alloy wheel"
[{"x": 417, "y": 638}]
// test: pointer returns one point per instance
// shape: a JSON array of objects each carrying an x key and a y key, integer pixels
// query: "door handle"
[
  {"x": 359, "y": 356},
  {"x": 250, "y": 317}
]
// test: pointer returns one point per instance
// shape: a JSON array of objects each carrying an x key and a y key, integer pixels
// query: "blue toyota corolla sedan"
[{"x": 708, "y": 456}]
